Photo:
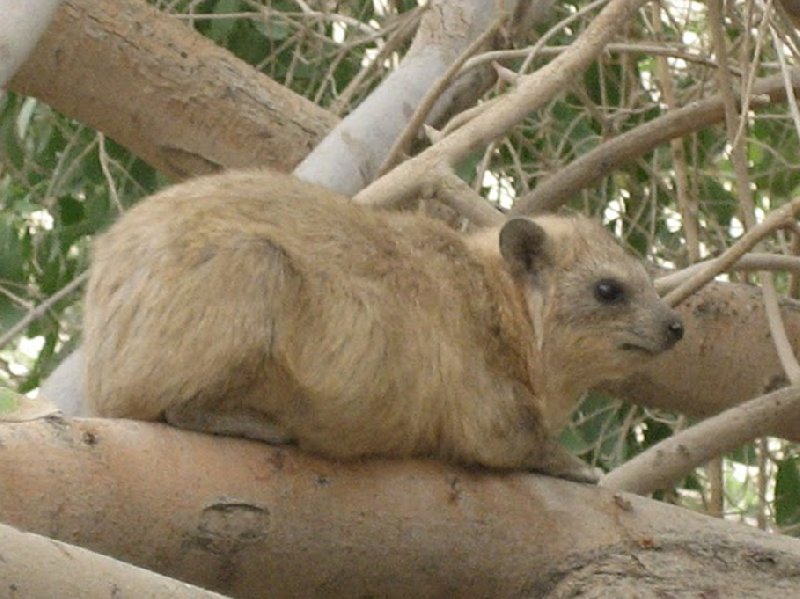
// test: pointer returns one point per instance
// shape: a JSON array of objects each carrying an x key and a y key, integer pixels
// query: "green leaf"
[
  {"x": 787, "y": 492},
  {"x": 9, "y": 400},
  {"x": 573, "y": 441},
  {"x": 70, "y": 210},
  {"x": 276, "y": 30},
  {"x": 718, "y": 200},
  {"x": 11, "y": 253},
  {"x": 221, "y": 28}
]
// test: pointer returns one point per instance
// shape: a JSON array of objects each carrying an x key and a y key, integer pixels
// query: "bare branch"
[
  {"x": 461, "y": 197},
  {"x": 348, "y": 158},
  {"x": 36, "y": 566},
  {"x": 748, "y": 262},
  {"x": 36, "y": 313},
  {"x": 531, "y": 93},
  {"x": 736, "y": 127},
  {"x": 241, "y": 516},
  {"x": 581, "y": 173},
  {"x": 774, "y": 220},
  {"x": 665, "y": 463},
  {"x": 20, "y": 28}
]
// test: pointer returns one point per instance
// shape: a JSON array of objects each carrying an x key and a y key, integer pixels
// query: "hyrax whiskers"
[{"x": 252, "y": 304}]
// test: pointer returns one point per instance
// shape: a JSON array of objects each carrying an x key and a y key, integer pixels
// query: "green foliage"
[
  {"x": 787, "y": 493},
  {"x": 54, "y": 194}
]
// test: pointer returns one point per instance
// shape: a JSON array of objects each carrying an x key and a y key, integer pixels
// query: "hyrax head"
[{"x": 595, "y": 312}]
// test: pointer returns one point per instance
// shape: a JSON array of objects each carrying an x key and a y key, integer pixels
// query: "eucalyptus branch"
[
  {"x": 462, "y": 198},
  {"x": 665, "y": 50},
  {"x": 749, "y": 262}
]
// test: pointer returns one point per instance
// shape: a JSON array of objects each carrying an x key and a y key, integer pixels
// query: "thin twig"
[
  {"x": 592, "y": 166},
  {"x": 777, "y": 330},
  {"x": 748, "y": 262},
  {"x": 736, "y": 126},
  {"x": 533, "y": 51},
  {"x": 393, "y": 43},
  {"x": 774, "y": 220},
  {"x": 104, "y": 166},
  {"x": 462, "y": 198},
  {"x": 686, "y": 205},
  {"x": 786, "y": 72},
  {"x": 612, "y": 48},
  {"x": 750, "y": 79},
  {"x": 40, "y": 310}
]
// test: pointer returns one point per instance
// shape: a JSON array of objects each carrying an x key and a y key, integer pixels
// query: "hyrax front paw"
[
  {"x": 580, "y": 474},
  {"x": 553, "y": 460}
]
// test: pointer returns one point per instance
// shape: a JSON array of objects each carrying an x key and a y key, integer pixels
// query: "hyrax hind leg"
[
  {"x": 238, "y": 421},
  {"x": 248, "y": 409},
  {"x": 524, "y": 443},
  {"x": 554, "y": 460}
]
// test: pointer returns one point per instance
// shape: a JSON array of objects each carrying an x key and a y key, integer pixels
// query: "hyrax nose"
[{"x": 674, "y": 331}]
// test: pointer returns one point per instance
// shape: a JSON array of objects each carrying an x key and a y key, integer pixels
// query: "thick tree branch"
[
  {"x": 242, "y": 517},
  {"x": 172, "y": 97},
  {"x": 35, "y": 566},
  {"x": 402, "y": 145},
  {"x": 723, "y": 322}
]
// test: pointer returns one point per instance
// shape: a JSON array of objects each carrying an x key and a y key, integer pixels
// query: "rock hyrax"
[{"x": 253, "y": 304}]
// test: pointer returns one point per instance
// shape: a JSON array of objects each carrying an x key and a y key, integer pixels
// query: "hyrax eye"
[{"x": 609, "y": 291}]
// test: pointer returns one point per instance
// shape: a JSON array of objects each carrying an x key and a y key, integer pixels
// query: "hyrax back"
[{"x": 252, "y": 304}]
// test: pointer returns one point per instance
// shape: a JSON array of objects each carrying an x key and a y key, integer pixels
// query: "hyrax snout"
[{"x": 252, "y": 304}]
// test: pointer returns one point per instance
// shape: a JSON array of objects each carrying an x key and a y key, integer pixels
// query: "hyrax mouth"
[
  {"x": 641, "y": 349},
  {"x": 649, "y": 346}
]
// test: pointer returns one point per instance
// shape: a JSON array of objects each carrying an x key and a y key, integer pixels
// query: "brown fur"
[{"x": 252, "y": 304}]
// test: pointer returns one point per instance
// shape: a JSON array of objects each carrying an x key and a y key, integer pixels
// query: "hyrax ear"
[{"x": 523, "y": 245}]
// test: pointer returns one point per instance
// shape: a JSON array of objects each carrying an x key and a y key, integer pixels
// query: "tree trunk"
[{"x": 251, "y": 520}]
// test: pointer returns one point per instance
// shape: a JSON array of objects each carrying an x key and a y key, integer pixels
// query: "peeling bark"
[{"x": 251, "y": 520}]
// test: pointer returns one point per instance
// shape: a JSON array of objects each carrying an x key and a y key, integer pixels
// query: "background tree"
[{"x": 645, "y": 134}]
